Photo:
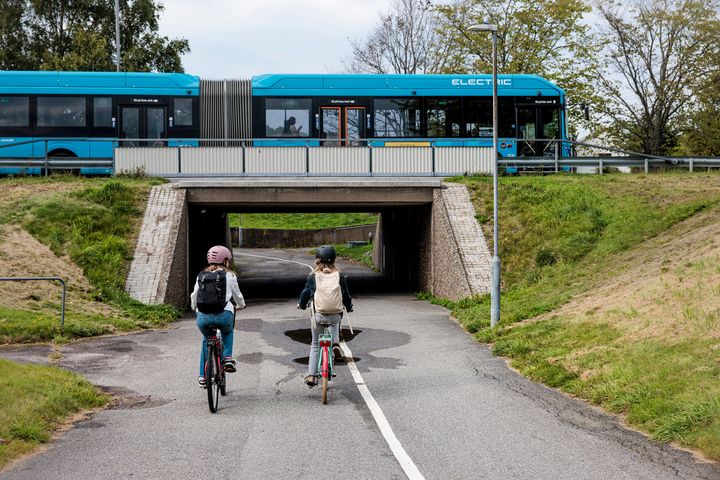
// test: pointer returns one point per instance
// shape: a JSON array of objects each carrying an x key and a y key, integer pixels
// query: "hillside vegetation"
[
  {"x": 611, "y": 292},
  {"x": 300, "y": 221},
  {"x": 84, "y": 231}
]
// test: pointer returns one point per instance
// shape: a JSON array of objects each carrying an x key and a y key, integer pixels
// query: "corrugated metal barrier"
[{"x": 317, "y": 161}]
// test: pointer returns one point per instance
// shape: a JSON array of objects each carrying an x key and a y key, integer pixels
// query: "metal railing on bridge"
[
  {"x": 358, "y": 157},
  {"x": 245, "y": 158}
]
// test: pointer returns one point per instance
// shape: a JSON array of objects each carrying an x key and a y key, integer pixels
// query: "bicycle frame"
[
  {"x": 214, "y": 370},
  {"x": 325, "y": 359}
]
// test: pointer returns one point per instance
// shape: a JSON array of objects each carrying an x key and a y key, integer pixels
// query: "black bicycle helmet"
[{"x": 326, "y": 254}]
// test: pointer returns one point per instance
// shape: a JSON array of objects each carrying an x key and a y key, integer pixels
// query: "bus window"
[
  {"x": 287, "y": 117},
  {"x": 444, "y": 116},
  {"x": 61, "y": 111},
  {"x": 527, "y": 123},
  {"x": 478, "y": 117},
  {"x": 550, "y": 118},
  {"x": 397, "y": 117},
  {"x": 183, "y": 112},
  {"x": 102, "y": 112},
  {"x": 14, "y": 111},
  {"x": 330, "y": 127},
  {"x": 506, "y": 117}
]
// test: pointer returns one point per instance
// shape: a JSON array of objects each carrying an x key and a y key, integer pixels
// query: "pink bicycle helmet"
[{"x": 218, "y": 254}]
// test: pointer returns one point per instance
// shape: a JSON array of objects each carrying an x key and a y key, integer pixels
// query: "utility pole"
[{"x": 117, "y": 34}]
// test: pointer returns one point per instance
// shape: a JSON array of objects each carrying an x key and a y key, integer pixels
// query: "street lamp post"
[
  {"x": 495, "y": 289},
  {"x": 117, "y": 34}
]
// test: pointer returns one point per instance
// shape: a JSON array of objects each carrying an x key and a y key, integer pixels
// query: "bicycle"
[
  {"x": 325, "y": 360},
  {"x": 214, "y": 369}
]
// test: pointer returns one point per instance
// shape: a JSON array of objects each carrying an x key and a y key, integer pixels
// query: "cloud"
[{"x": 238, "y": 39}]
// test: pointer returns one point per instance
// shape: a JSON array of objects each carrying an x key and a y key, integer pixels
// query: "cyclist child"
[
  {"x": 327, "y": 288},
  {"x": 210, "y": 299}
]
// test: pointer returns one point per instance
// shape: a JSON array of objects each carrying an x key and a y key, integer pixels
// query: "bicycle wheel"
[
  {"x": 211, "y": 375},
  {"x": 325, "y": 375}
]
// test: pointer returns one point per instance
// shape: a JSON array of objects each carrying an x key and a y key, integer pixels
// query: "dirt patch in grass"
[
  {"x": 21, "y": 255},
  {"x": 14, "y": 191},
  {"x": 670, "y": 287}
]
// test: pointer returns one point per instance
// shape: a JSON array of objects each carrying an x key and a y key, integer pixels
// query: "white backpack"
[{"x": 328, "y": 297}]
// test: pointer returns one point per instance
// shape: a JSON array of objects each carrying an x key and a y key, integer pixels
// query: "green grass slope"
[
  {"x": 611, "y": 292},
  {"x": 92, "y": 223}
]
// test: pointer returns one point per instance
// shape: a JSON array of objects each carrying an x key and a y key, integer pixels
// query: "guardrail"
[
  {"x": 54, "y": 279},
  {"x": 601, "y": 163}
]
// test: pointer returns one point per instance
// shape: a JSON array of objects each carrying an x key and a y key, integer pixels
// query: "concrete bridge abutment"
[{"x": 427, "y": 237}]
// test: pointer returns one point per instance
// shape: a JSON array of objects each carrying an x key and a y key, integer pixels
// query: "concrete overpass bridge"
[{"x": 427, "y": 237}]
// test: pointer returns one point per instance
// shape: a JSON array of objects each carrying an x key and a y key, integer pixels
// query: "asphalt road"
[{"x": 458, "y": 412}]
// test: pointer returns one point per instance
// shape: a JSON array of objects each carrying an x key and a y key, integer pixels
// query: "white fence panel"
[
  {"x": 212, "y": 160},
  {"x": 339, "y": 160},
  {"x": 275, "y": 160},
  {"x": 155, "y": 161},
  {"x": 402, "y": 160},
  {"x": 461, "y": 160}
]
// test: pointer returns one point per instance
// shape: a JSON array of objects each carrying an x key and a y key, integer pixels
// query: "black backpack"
[{"x": 211, "y": 294}]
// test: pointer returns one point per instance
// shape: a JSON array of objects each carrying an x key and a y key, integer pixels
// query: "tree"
[
  {"x": 80, "y": 35},
  {"x": 701, "y": 133},
  {"x": 543, "y": 37},
  {"x": 659, "y": 55},
  {"x": 13, "y": 37},
  {"x": 404, "y": 41}
]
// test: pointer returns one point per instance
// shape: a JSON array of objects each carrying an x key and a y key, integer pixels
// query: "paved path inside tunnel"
[{"x": 455, "y": 410}]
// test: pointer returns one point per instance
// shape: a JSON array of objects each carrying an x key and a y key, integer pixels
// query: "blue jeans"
[
  {"x": 334, "y": 321},
  {"x": 226, "y": 321}
]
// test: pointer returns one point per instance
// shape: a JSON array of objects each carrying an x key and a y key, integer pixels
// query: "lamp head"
[{"x": 483, "y": 27}]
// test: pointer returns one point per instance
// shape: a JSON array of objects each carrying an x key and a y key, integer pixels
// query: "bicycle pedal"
[{"x": 333, "y": 375}]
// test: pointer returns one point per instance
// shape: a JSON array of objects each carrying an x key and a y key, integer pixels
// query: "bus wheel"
[{"x": 62, "y": 154}]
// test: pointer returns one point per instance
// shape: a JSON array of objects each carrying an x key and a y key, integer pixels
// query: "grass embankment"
[
  {"x": 34, "y": 400},
  {"x": 312, "y": 221},
  {"x": 361, "y": 253},
  {"x": 616, "y": 282},
  {"x": 91, "y": 222},
  {"x": 300, "y": 221}
]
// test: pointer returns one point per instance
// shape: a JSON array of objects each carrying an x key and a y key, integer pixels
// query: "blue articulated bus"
[
  {"x": 86, "y": 114},
  {"x": 387, "y": 110}
]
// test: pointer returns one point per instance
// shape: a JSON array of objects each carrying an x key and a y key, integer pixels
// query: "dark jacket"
[{"x": 308, "y": 292}]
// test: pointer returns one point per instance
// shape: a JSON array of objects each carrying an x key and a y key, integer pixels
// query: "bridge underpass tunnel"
[{"x": 275, "y": 263}]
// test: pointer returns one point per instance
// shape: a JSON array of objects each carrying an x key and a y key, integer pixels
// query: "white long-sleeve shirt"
[{"x": 232, "y": 290}]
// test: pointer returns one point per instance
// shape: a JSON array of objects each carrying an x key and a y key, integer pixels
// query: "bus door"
[
  {"x": 142, "y": 122},
  {"x": 538, "y": 121},
  {"x": 527, "y": 132},
  {"x": 342, "y": 126}
]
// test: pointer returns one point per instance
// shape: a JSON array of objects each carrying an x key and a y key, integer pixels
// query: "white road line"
[
  {"x": 403, "y": 458},
  {"x": 273, "y": 258},
  {"x": 396, "y": 447}
]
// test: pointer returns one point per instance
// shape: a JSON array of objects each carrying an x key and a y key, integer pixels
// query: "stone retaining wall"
[
  {"x": 460, "y": 264},
  {"x": 157, "y": 273},
  {"x": 275, "y": 238}
]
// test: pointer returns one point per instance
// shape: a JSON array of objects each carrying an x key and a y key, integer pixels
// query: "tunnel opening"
[{"x": 400, "y": 249}]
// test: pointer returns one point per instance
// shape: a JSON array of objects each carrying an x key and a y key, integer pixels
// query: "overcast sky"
[{"x": 241, "y": 38}]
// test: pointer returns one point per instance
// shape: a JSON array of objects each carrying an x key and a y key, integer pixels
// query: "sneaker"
[
  {"x": 229, "y": 364},
  {"x": 337, "y": 352},
  {"x": 201, "y": 382},
  {"x": 310, "y": 381}
]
